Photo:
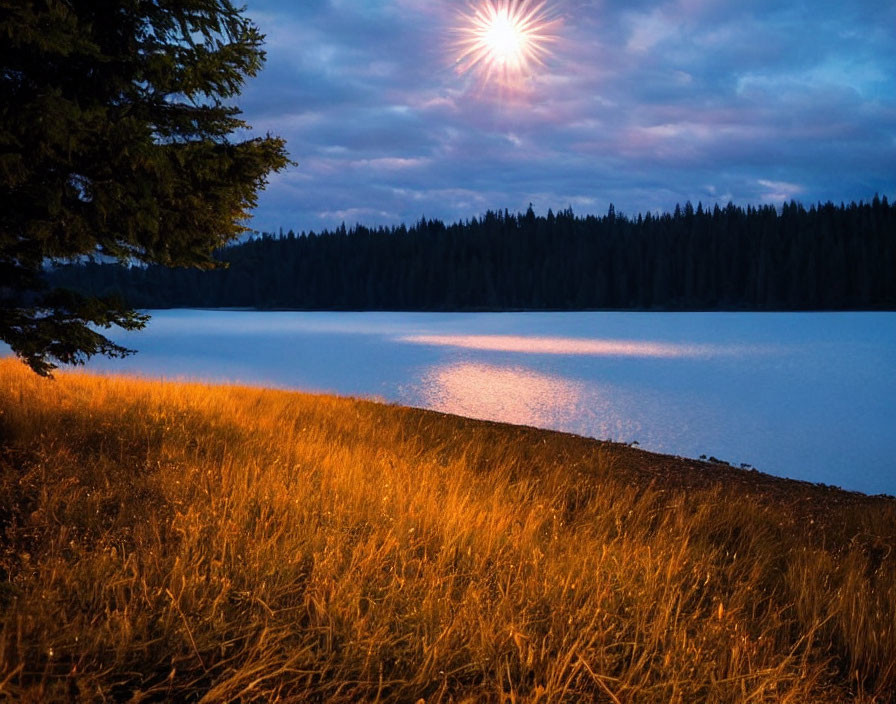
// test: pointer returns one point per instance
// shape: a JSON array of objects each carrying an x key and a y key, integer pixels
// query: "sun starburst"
[{"x": 504, "y": 41}]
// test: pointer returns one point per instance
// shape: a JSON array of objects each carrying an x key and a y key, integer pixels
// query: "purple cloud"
[{"x": 643, "y": 104}]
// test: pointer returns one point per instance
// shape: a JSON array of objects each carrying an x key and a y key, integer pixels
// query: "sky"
[{"x": 639, "y": 103}]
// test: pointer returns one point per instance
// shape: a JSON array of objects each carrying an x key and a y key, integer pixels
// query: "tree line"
[{"x": 758, "y": 258}]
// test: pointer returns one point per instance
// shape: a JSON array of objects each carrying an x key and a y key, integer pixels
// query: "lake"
[{"x": 805, "y": 395}]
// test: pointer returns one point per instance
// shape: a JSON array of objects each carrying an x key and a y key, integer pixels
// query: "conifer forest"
[{"x": 824, "y": 257}]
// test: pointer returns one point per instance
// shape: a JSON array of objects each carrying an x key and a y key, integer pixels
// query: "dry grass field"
[{"x": 182, "y": 542}]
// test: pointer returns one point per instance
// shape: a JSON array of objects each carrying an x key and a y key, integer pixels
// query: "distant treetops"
[{"x": 755, "y": 258}]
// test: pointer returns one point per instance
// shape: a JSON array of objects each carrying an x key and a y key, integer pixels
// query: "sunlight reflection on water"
[
  {"x": 511, "y": 393},
  {"x": 524, "y": 396},
  {"x": 574, "y": 346}
]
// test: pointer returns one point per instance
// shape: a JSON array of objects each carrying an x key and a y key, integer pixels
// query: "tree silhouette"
[{"x": 115, "y": 141}]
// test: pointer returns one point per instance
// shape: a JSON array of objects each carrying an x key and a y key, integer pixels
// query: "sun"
[{"x": 504, "y": 41}]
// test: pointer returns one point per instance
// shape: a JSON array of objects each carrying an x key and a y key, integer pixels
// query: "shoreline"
[
  {"x": 179, "y": 541},
  {"x": 250, "y": 309}
]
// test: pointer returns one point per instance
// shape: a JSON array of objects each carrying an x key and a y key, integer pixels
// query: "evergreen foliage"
[
  {"x": 759, "y": 258},
  {"x": 115, "y": 140}
]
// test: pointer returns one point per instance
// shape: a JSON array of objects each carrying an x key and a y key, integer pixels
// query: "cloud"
[
  {"x": 643, "y": 104},
  {"x": 778, "y": 191}
]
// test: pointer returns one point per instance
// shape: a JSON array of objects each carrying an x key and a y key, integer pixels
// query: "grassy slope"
[{"x": 170, "y": 541}]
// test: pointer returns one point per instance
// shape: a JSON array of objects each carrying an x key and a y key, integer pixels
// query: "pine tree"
[{"x": 115, "y": 125}]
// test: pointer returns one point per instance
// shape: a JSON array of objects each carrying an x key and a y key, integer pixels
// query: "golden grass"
[{"x": 183, "y": 542}]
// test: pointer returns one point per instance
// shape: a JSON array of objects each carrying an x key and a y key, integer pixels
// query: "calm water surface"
[{"x": 805, "y": 395}]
